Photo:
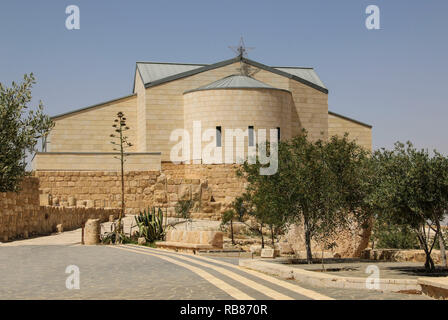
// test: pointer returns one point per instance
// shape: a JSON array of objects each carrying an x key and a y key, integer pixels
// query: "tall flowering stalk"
[{"x": 120, "y": 143}]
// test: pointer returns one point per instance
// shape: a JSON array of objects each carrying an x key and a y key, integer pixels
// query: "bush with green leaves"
[
  {"x": 390, "y": 236},
  {"x": 115, "y": 236},
  {"x": 183, "y": 208}
]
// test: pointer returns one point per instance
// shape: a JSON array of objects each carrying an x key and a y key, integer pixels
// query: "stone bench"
[{"x": 192, "y": 241}]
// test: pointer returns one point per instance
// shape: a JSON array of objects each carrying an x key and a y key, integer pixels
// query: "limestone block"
[
  {"x": 173, "y": 197},
  {"x": 141, "y": 240},
  {"x": 184, "y": 192},
  {"x": 80, "y": 203},
  {"x": 267, "y": 253},
  {"x": 285, "y": 248},
  {"x": 207, "y": 209},
  {"x": 71, "y": 201},
  {"x": 195, "y": 192},
  {"x": 161, "y": 178},
  {"x": 192, "y": 237},
  {"x": 171, "y": 189},
  {"x": 44, "y": 199},
  {"x": 214, "y": 238},
  {"x": 240, "y": 228},
  {"x": 216, "y": 206},
  {"x": 160, "y": 196},
  {"x": 90, "y": 203},
  {"x": 159, "y": 186}
]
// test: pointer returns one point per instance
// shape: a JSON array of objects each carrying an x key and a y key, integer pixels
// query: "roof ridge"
[
  {"x": 289, "y": 67},
  {"x": 202, "y": 68},
  {"x": 92, "y": 106},
  {"x": 175, "y": 63},
  {"x": 349, "y": 119}
]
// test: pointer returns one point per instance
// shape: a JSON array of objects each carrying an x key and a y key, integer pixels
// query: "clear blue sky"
[{"x": 394, "y": 78}]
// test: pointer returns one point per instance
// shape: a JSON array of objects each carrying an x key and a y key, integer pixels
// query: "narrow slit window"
[
  {"x": 251, "y": 136},
  {"x": 278, "y": 133},
  {"x": 218, "y": 136}
]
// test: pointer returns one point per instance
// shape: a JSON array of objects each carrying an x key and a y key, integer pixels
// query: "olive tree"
[
  {"x": 319, "y": 184},
  {"x": 20, "y": 129},
  {"x": 411, "y": 189}
]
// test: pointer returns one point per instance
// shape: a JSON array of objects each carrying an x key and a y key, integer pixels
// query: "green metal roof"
[{"x": 236, "y": 81}]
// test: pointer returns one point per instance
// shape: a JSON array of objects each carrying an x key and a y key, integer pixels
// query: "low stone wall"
[
  {"x": 398, "y": 255},
  {"x": 349, "y": 242},
  {"x": 21, "y": 214},
  {"x": 213, "y": 187}
]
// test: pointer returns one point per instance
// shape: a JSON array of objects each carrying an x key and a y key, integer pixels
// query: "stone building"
[{"x": 173, "y": 101}]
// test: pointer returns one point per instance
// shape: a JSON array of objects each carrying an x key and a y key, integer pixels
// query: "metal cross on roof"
[{"x": 241, "y": 50}]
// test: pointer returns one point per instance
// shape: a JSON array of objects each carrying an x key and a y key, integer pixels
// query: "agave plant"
[
  {"x": 114, "y": 236},
  {"x": 150, "y": 224}
]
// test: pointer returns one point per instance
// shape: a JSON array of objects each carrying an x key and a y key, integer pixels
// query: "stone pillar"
[{"x": 92, "y": 232}]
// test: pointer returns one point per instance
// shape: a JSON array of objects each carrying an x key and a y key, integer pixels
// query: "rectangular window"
[
  {"x": 251, "y": 136},
  {"x": 218, "y": 136},
  {"x": 278, "y": 133}
]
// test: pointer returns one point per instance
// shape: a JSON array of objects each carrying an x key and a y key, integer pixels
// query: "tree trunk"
[
  {"x": 231, "y": 231},
  {"x": 309, "y": 255},
  {"x": 262, "y": 238},
  {"x": 429, "y": 263},
  {"x": 442, "y": 246},
  {"x": 272, "y": 236}
]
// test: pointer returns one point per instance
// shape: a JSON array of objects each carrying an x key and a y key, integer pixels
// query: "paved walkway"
[
  {"x": 35, "y": 269},
  {"x": 132, "y": 272}
]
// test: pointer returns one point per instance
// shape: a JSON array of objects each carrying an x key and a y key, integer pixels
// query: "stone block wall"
[
  {"x": 361, "y": 133},
  {"x": 213, "y": 187},
  {"x": 21, "y": 214},
  {"x": 103, "y": 161}
]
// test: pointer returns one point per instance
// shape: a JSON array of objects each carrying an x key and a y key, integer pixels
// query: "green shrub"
[
  {"x": 390, "y": 236},
  {"x": 150, "y": 224},
  {"x": 183, "y": 208}
]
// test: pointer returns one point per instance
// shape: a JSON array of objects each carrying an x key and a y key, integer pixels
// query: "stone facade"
[
  {"x": 21, "y": 214},
  {"x": 260, "y": 108},
  {"x": 339, "y": 125},
  {"x": 213, "y": 187},
  {"x": 64, "y": 161},
  {"x": 154, "y": 112}
]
